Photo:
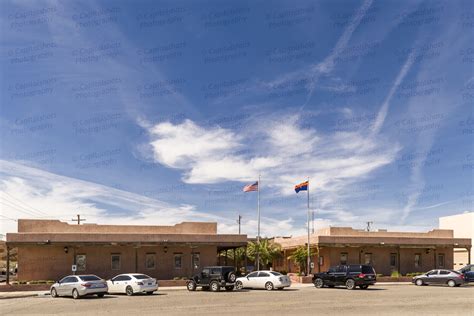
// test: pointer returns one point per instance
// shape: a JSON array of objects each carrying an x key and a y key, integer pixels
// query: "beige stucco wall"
[{"x": 463, "y": 227}]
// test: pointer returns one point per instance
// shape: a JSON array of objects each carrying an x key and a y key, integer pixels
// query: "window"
[
  {"x": 417, "y": 260},
  {"x": 115, "y": 260},
  {"x": 81, "y": 262},
  {"x": 332, "y": 269},
  {"x": 206, "y": 272},
  {"x": 393, "y": 259},
  {"x": 341, "y": 269},
  {"x": 343, "y": 258},
  {"x": 178, "y": 261},
  {"x": 141, "y": 276},
  {"x": 252, "y": 275},
  {"x": 276, "y": 273},
  {"x": 196, "y": 260},
  {"x": 263, "y": 275},
  {"x": 444, "y": 272},
  {"x": 321, "y": 260},
  {"x": 150, "y": 261},
  {"x": 122, "y": 278},
  {"x": 432, "y": 272},
  {"x": 368, "y": 258},
  {"x": 441, "y": 260},
  {"x": 69, "y": 280},
  {"x": 89, "y": 278}
]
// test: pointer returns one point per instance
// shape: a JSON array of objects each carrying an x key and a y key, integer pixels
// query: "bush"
[
  {"x": 176, "y": 278},
  {"x": 395, "y": 274},
  {"x": 413, "y": 274},
  {"x": 379, "y": 275},
  {"x": 284, "y": 272}
]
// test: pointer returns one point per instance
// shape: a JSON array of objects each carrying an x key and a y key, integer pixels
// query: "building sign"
[
  {"x": 74, "y": 268},
  {"x": 81, "y": 262}
]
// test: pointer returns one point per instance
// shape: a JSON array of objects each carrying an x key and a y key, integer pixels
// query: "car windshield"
[
  {"x": 89, "y": 278},
  {"x": 275, "y": 273},
  {"x": 141, "y": 276}
]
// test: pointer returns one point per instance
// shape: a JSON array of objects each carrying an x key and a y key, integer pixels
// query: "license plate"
[
  {"x": 370, "y": 277},
  {"x": 150, "y": 283}
]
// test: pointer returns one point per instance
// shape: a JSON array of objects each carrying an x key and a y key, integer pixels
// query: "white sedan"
[
  {"x": 263, "y": 280},
  {"x": 131, "y": 283}
]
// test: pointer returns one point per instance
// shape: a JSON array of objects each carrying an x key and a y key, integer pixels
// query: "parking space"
[{"x": 380, "y": 299}]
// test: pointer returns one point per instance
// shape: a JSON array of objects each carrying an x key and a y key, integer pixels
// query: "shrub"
[
  {"x": 395, "y": 274},
  {"x": 284, "y": 272},
  {"x": 412, "y": 274},
  {"x": 379, "y": 275},
  {"x": 176, "y": 278}
]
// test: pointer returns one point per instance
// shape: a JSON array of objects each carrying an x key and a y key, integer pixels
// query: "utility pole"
[
  {"x": 239, "y": 222},
  {"x": 78, "y": 220},
  {"x": 368, "y": 226},
  {"x": 312, "y": 219}
]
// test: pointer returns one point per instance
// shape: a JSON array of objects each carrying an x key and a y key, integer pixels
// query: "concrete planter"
[
  {"x": 163, "y": 283},
  {"x": 300, "y": 279}
]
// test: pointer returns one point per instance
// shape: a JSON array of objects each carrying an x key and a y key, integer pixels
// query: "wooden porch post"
[
  {"x": 468, "y": 255},
  {"x": 8, "y": 266},
  {"x": 398, "y": 260}
]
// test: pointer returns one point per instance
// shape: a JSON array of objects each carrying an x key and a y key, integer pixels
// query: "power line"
[
  {"x": 12, "y": 219},
  {"x": 24, "y": 203},
  {"x": 18, "y": 208}
]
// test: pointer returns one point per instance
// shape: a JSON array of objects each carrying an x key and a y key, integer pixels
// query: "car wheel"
[
  {"x": 191, "y": 286},
  {"x": 239, "y": 285},
  {"x": 75, "y": 294},
  {"x": 149, "y": 293},
  {"x": 129, "y": 291},
  {"x": 54, "y": 293},
  {"x": 319, "y": 283},
  {"x": 451, "y": 283},
  {"x": 229, "y": 288},
  {"x": 350, "y": 284},
  {"x": 364, "y": 287},
  {"x": 215, "y": 287},
  {"x": 231, "y": 277},
  {"x": 100, "y": 295},
  {"x": 269, "y": 286},
  {"x": 419, "y": 282}
]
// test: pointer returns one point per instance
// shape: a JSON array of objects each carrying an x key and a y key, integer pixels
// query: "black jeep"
[
  {"x": 351, "y": 276},
  {"x": 213, "y": 278}
]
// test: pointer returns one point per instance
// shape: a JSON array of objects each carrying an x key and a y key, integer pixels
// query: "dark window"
[
  {"x": 332, "y": 269},
  {"x": 206, "y": 271},
  {"x": 472, "y": 268},
  {"x": 252, "y": 275},
  {"x": 443, "y": 272},
  {"x": 141, "y": 276},
  {"x": 69, "y": 280},
  {"x": 122, "y": 278},
  {"x": 355, "y": 268},
  {"x": 150, "y": 261},
  {"x": 178, "y": 261},
  {"x": 432, "y": 272},
  {"x": 215, "y": 271},
  {"x": 368, "y": 270},
  {"x": 417, "y": 260},
  {"x": 440, "y": 260},
  {"x": 343, "y": 258},
  {"x": 263, "y": 275},
  {"x": 341, "y": 269},
  {"x": 276, "y": 273},
  {"x": 115, "y": 261},
  {"x": 393, "y": 259},
  {"x": 89, "y": 278}
]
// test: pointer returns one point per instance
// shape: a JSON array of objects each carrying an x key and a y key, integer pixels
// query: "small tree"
[
  {"x": 267, "y": 251},
  {"x": 300, "y": 257}
]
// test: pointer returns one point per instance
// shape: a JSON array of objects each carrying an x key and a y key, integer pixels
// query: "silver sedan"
[{"x": 79, "y": 285}]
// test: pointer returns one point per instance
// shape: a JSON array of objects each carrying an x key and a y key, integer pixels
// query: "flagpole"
[
  {"x": 258, "y": 224},
  {"x": 309, "y": 258}
]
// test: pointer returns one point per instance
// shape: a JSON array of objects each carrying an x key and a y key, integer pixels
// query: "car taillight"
[
  {"x": 86, "y": 284},
  {"x": 140, "y": 283},
  {"x": 361, "y": 275},
  {"x": 461, "y": 276}
]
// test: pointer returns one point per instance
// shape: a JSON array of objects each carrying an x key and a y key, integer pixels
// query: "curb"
[{"x": 5, "y": 297}]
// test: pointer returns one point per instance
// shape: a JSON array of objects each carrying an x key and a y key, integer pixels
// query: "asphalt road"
[{"x": 379, "y": 299}]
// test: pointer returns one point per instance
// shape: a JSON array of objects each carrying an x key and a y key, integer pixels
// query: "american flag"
[{"x": 251, "y": 187}]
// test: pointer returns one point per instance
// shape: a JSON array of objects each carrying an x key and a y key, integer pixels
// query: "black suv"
[
  {"x": 351, "y": 276},
  {"x": 213, "y": 278}
]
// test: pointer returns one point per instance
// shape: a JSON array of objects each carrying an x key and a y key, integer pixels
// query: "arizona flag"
[
  {"x": 251, "y": 187},
  {"x": 302, "y": 186}
]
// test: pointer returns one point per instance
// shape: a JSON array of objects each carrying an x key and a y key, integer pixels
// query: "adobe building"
[
  {"x": 463, "y": 227},
  {"x": 47, "y": 249},
  {"x": 405, "y": 252}
]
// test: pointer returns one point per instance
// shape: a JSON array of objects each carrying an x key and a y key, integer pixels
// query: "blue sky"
[{"x": 157, "y": 112}]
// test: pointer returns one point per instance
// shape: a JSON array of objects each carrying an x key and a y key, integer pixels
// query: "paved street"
[{"x": 380, "y": 299}]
